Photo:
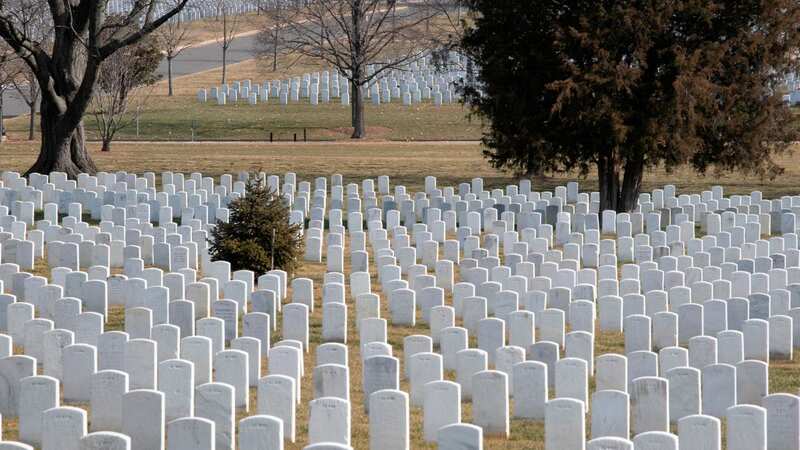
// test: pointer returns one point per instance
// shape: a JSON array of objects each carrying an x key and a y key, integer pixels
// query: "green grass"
[
  {"x": 176, "y": 118},
  {"x": 184, "y": 118}
]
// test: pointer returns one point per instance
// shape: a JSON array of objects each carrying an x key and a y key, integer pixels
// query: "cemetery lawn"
[
  {"x": 405, "y": 163},
  {"x": 183, "y": 118},
  {"x": 525, "y": 434},
  {"x": 174, "y": 118},
  {"x": 209, "y": 29}
]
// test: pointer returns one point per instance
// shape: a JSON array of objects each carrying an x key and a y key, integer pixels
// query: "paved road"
[
  {"x": 209, "y": 56},
  {"x": 191, "y": 60}
]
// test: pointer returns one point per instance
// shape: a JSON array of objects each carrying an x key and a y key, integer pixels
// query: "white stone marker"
[
  {"x": 143, "y": 419},
  {"x": 609, "y": 414},
  {"x": 684, "y": 392},
  {"x": 176, "y": 381},
  {"x": 197, "y": 350},
  {"x": 332, "y": 380},
  {"x": 277, "y": 396},
  {"x": 699, "y": 432},
  {"x": 215, "y": 402},
  {"x": 80, "y": 363},
  {"x": 719, "y": 389},
  {"x": 285, "y": 360},
  {"x": 111, "y": 350},
  {"x": 469, "y": 362},
  {"x": 140, "y": 364},
  {"x": 460, "y": 436},
  {"x": 37, "y": 394},
  {"x": 783, "y": 421},
  {"x": 649, "y": 405},
  {"x": 63, "y": 428},
  {"x": 295, "y": 323},
  {"x": 752, "y": 382},
  {"x": 747, "y": 428},
  {"x": 105, "y": 440},
  {"x": 329, "y": 421},
  {"x": 261, "y": 432},
  {"x": 231, "y": 367},
  {"x": 424, "y": 368},
  {"x": 656, "y": 439},
  {"x": 442, "y": 406},
  {"x": 611, "y": 372},
  {"x": 190, "y": 432},
  {"x": 453, "y": 340},
  {"x": 331, "y": 353},
  {"x": 11, "y": 445},
  {"x": 609, "y": 443},
  {"x": 490, "y": 402},
  {"x": 389, "y": 420},
  {"x": 564, "y": 425},
  {"x": 413, "y": 344},
  {"x": 108, "y": 389},
  {"x": 531, "y": 393},
  {"x": 572, "y": 380}
]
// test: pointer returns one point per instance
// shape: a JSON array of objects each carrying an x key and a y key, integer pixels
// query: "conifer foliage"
[
  {"x": 258, "y": 236},
  {"x": 621, "y": 87}
]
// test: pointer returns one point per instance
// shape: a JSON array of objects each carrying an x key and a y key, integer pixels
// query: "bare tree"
[
  {"x": 228, "y": 28},
  {"x": 36, "y": 25},
  {"x": 173, "y": 37},
  {"x": 126, "y": 77},
  {"x": 447, "y": 23},
  {"x": 27, "y": 88},
  {"x": 9, "y": 71},
  {"x": 353, "y": 34},
  {"x": 68, "y": 79},
  {"x": 271, "y": 41}
]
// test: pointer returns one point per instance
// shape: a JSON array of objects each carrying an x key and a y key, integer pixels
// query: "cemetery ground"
[
  {"x": 525, "y": 434},
  {"x": 182, "y": 118},
  {"x": 406, "y": 164},
  {"x": 207, "y": 30}
]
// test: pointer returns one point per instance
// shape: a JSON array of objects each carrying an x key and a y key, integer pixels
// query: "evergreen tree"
[
  {"x": 258, "y": 236},
  {"x": 623, "y": 86}
]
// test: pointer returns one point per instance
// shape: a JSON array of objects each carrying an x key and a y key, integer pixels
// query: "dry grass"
[
  {"x": 525, "y": 434},
  {"x": 252, "y": 69},
  {"x": 407, "y": 164},
  {"x": 209, "y": 29},
  {"x": 182, "y": 117}
]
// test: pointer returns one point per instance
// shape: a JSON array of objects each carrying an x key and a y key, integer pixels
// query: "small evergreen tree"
[{"x": 258, "y": 236}]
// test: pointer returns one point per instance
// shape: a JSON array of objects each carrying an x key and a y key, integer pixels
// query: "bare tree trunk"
[
  {"x": 631, "y": 184},
  {"x": 620, "y": 197},
  {"x": 169, "y": 76},
  {"x": 106, "y": 145},
  {"x": 63, "y": 148},
  {"x": 357, "y": 109},
  {"x": 224, "y": 62},
  {"x": 608, "y": 180},
  {"x": 32, "y": 121},
  {"x": 2, "y": 116},
  {"x": 275, "y": 54}
]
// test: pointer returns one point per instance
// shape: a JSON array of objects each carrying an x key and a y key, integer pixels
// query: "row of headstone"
[
  {"x": 174, "y": 322},
  {"x": 194, "y": 9},
  {"x": 413, "y": 83}
]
